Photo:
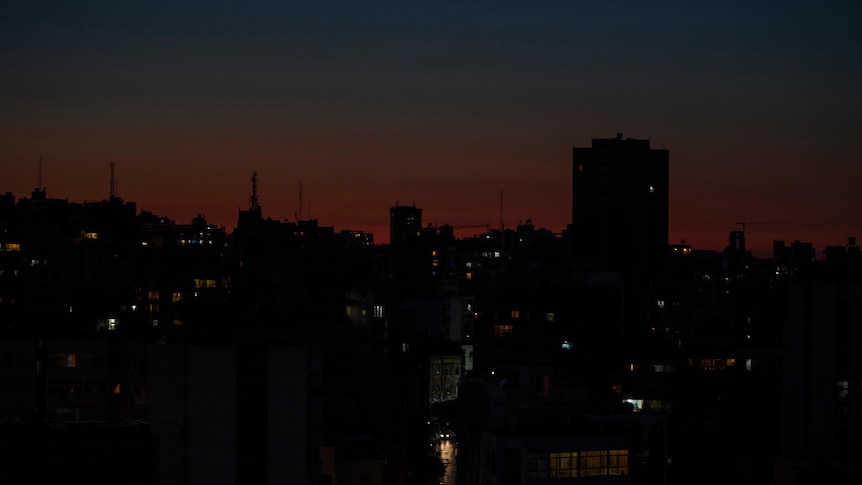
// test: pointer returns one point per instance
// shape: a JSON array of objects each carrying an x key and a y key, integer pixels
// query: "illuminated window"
[
  {"x": 91, "y": 235},
  {"x": 204, "y": 283},
  {"x": 516, "y": 314},
  {"x": 469, "y": 275},
  {"x": 71, "y": 360},
  {"x": 575, "y": 464},
  {"x": 618, "y": 462},
  {"x": 11, "y": 247},
  {"x": 153, "y": 295},
  {"x": 178, "y": 323},
  {"x": 503, "y": 329},
  {"x": 112, "y": 324},
  {"x": 637, "y": 404},
  {"x": 594, "y": 463},
  {"x": 652, "y": 189},
  {"x": 379, "y": 311},
  {"x": 549, "y": 317},
  {"x": 176, "y": 296},
  {"x": 564, "y": 464}
]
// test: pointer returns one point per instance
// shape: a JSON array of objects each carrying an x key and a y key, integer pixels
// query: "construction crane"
[{"x": 743, "y": 224}]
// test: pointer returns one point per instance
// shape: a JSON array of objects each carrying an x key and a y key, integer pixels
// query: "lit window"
[
  {"x": 503, "y": 329},
  {"x": 178, "y": 323},
  {"x": 660, "y": 303},
  {"x": 594, "y": 463},
  {"x": 71, "y": 360},
  {"x": 566, "y": 345},
  {"x": 549, "y": 317},
  {"x": 176, "y": 296},
  {"x": 469, "y": 275},
  {"x": 564, "y": 464},
  {"x": 637, "y": 404},
  {"x": 516, "y": 314},
  {"x": 618, "y": 462},
  {"x": 652, "y": 189},
  {"x": 112, "y": 324},
  {"x": 11, "y": 247},
  {"x": 379, "y": 311},
  {"x": 91, "y": 235},
  {"x": 153, "y": 295}
]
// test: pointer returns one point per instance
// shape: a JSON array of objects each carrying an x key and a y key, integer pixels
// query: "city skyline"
[{"x": 443, "y": 107}]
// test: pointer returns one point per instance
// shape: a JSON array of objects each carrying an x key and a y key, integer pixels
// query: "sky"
[{"x": 443, "y": 105}]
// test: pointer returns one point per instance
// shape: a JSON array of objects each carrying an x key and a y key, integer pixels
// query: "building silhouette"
[
  {"x": 619, "y": 205},
  {"x": 137, "y": 350},
  {"x": 405, "y": 222}
]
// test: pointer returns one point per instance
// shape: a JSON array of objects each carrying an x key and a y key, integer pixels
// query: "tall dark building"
[
  {"x": 405, "y": 222},
  {"x": 619, "y": 205}
]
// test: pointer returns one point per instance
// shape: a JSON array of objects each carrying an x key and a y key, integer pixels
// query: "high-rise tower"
[
  {"x": 619, "y": 205},
  {"x": 405, "y": 223}
]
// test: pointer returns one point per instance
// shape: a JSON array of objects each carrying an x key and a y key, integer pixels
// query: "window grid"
[{"x": 575, "y": 464}]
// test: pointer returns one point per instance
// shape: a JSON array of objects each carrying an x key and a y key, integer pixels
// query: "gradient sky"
[{"x": 438, "y": 104}]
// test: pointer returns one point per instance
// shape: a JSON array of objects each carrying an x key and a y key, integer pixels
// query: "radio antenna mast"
[{"x": 113, "y": 182}]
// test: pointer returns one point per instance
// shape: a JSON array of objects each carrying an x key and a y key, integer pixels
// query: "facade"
[
  {"x": 619, "y": 205},
  {"x": 404, "y": 223}
]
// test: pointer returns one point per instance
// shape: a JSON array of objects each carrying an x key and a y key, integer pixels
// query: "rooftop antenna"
[
  {"x": 113, "y": 183},
  {"x": 300, "y": 200},
  {"x": 501, "y": 209},
  {"x": 39, "y": 186},
  {"x": 254, "y": 205}
]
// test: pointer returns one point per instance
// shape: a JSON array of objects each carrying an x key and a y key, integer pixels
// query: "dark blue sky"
[{"x": 441, "y": 104}]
